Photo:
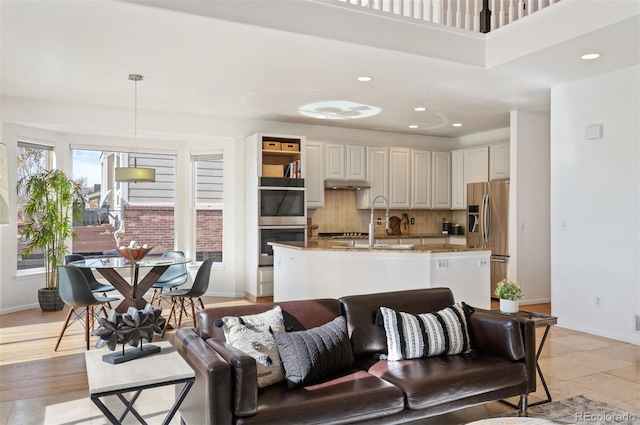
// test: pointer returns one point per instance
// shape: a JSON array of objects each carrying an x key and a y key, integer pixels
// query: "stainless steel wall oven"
[{"x": 278, "y": 234}]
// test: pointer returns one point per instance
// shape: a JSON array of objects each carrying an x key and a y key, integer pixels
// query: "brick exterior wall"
[{"x": 154, "y": 225}]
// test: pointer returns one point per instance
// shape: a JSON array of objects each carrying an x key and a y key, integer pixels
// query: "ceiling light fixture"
[
  {"x": 590, "y": 56},
  {"x": 456, "y": 124},
  {"x": 135, "y": 173},
  {"x": 413, "y": 126},
  {"x": 420, "y": 109},
  {"x": 364, "y": 79}
]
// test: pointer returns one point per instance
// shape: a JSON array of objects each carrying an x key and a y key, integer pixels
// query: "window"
[
  {"x": 209, "y": 174},
  {"x": 33, "y": 158},
  {"x": 119, "y": 212}
]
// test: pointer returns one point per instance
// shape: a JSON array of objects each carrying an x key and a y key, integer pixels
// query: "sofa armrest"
[
  {"x": 510, "y": 337},
  {"x": 244, "y": 377},
  {"x": 209, "y": 401}
]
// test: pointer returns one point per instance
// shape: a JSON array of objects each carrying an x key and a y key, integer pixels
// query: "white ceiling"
[{"x": 232, "y": 63}]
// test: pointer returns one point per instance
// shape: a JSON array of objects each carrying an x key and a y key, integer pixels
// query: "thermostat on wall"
[{"x": 594, "y": 132}]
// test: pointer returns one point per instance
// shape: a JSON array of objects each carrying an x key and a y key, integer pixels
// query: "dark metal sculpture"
[{"x": 132, "y": 328}]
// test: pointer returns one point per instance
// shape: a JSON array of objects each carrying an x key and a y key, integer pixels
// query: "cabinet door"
[
  {"x": 421, "y": 175},
  {"x": 399, "y": 178},
  {"x": 458, "y": 187},
  {"x": 315, "y": 175},
  {"x": 476, "y": 164},
  {"x": 499, "y": 161},
  {"x": 334, "y": 161},
  {"x": 377, "y": 176},
  {"x": 356, "y": 163},
  {"x": 441, "y": 164}
]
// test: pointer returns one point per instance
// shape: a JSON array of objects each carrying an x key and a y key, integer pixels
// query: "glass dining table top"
[{"x": 121, "y": 262}]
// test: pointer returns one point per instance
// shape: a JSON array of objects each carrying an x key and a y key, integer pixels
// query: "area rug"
[{"x": 581, "y": 410}]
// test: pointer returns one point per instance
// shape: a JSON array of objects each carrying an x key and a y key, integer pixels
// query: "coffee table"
[{"x": 165, "y": 368}]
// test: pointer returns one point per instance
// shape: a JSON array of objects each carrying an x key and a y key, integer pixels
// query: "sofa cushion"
[
  {"x": 253, "y": 335},
  {"x": 310, "y": 355},
  {"x": 348, "y": 396},
  {"x": 433, "y": 381},
  {"x": 412, "y": 336}
]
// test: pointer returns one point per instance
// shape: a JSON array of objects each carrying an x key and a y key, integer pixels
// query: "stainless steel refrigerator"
[{"x": 488, "y": 218}]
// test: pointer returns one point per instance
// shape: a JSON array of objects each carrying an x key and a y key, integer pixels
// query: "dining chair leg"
[
  {"x": 193, "y": 309},
  {"x": 181, "y": 310},
  {"x": 201, "y": 303},
  {"x": 171, "y": 312},
  {"x": 64, "y": 328},
  {"x": 86, "y": 328}
]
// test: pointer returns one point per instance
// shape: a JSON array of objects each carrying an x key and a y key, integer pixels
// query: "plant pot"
[
  {"x": 50, "y": 300},
  {"x": 509, "y": 306}
]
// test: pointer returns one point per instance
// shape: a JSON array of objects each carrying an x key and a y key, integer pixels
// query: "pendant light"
[{"x": 135, "y": 174}]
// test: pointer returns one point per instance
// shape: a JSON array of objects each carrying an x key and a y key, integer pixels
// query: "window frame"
[{"x": 217, "y": 154}]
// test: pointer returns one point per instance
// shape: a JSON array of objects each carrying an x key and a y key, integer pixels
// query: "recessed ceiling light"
[
  {"x": 413, "y": 126},
  {"x": 420, "y": 109},
  {"x": 590, "y": 56},
  {"x": 456, "y": 124},
  {"x": 364, "y": 79}
]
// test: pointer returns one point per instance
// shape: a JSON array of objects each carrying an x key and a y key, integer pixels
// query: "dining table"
[{"x": 133, "y": 291}]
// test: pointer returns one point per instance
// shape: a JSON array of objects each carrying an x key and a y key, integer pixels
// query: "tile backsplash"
[{"x": 341, "y": 215}]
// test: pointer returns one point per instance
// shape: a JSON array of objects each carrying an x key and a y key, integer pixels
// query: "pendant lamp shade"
[{"x": 135, "y": 174}]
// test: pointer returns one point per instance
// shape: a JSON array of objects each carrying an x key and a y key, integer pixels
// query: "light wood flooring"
[{"x": 40, "y": 386}]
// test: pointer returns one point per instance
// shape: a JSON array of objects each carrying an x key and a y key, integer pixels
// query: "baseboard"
[
  {"x": 255, "y": 299},
  {"x": 19, "y": 308},
  {"x": 631, "y": 339},
  {"x": 225, "y": 294},
  {"x": 535, "y": 301}
]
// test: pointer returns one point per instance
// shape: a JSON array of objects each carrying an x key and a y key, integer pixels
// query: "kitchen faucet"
[{"x": 372, "y": 225}]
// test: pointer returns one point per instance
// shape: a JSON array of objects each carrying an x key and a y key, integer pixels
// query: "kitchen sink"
[{"x": 376, "y": 246}]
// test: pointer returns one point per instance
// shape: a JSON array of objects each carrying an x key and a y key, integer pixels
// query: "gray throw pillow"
[{"x": 309, "y": 355}]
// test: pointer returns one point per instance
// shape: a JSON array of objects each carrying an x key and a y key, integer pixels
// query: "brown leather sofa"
[{"x": 501, "y": 365}]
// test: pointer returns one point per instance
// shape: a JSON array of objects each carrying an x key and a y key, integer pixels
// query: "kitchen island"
[{"x": 329, "y": 269}]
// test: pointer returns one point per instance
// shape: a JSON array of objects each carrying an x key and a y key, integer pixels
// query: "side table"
[
  {"x": 539, "y": 320},
  {"x": 164, "y": 368}
]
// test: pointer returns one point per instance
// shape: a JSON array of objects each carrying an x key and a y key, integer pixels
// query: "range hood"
[{"x": 346, "y": 184}]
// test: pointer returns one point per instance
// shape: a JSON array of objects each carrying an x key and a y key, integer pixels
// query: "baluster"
[
  {"x": 511, "y": 15},
  {"x": 520, "y": 9},
  {"x": 467, "y": 15},
  {"x": 428, "y": 10},
  {"x": 458, "y": 14},
  {"x": 419, "y": 11},
  {"x": 477, "y": 7},
  {"x": 449, "y": 13},
  {"x": 437, "y": 11},
  {"x": 493, "y": 14},
  {"x": 501, "y": 14},
  {"x": 399, "y": 7}
]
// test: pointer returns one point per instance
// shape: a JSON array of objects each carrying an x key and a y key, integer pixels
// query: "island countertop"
[{"x": 333, "y": 245}]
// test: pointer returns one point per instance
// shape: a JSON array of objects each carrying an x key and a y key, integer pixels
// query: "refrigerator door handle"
[{"x": 485, "y": 219}]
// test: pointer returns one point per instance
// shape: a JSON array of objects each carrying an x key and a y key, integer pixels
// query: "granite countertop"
[
  {"x": 383, "y": 236},
  {"x": 326, "y": 244}
]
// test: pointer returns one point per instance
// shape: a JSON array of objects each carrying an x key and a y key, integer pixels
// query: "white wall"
[
  {"x": 596, "y": 192},
  {"x": 529, "y": 240}
]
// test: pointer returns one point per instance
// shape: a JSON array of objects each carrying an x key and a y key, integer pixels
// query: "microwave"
[
  {"x": 282, "y": 206},
  {"x": 278, "y": 234}
]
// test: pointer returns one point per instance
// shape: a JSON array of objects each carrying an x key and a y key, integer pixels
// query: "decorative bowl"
[{"x": 134, "y": 254}]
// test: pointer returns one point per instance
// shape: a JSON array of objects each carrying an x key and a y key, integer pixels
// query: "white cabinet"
[
  {"x": 476, "y": 164},
  {"x": 315, "y": 174},
  {"x": 441, "y": 178},
  {"x": 421, "y": 176},
  {"x": 458, "y": 198},
  {"x": 377, "y": 176},
  {"x": 400, "y": 177},
  {"x": 345, "y": 162},
  {"x": 499, "y": 161}
]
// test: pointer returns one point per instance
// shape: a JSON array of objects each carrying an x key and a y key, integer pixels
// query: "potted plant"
[
  {"x": 509, "y": 294},
  {"x": 54, "y": 200}
]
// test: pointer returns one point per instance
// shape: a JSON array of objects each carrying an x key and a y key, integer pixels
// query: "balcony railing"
[{"x": 462, "y": 14}]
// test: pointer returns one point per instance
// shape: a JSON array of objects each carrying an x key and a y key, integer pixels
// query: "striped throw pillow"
[{"x": 412, "y": 336}]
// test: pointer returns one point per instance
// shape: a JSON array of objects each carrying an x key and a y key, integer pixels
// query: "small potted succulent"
[{"x": 509, "y": 294}]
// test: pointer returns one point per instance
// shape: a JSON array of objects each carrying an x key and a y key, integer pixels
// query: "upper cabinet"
[
  {"x": 345, "y": 162},
  {"x": 441, "y": 180},
  {"x": 315, "y": 174},
  {"x": 280, "y": 156},
  {"x": 377, "y": 176},
  {"x": 458, "y": 199},
  {"x": 421, "y": 176},
  {"x": 400, "y": 178},
  {"x": 499, "y": 162},
  {"x": 476, "y": 164}
]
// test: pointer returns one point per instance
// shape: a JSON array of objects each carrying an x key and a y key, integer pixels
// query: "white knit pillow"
[
  {"x": 254, "y": 336},
  {"x": 412, "y": 336}
]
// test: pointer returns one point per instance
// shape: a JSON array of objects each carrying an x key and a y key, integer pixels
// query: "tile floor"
[{"x": 573, "y": 363}]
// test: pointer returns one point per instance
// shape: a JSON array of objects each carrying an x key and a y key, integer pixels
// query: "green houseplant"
[
  {"x": 509, "y": 294},
  {"x": 53, "y": 201}
]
